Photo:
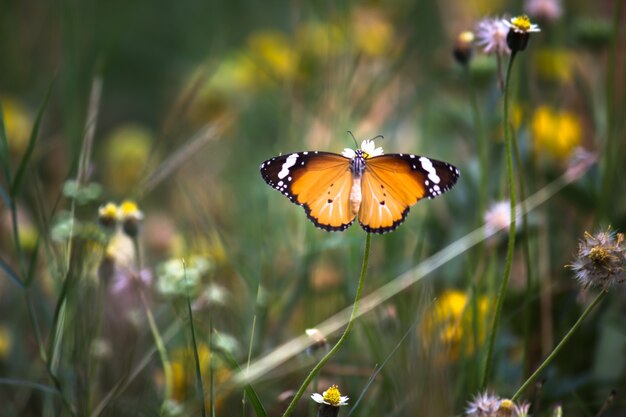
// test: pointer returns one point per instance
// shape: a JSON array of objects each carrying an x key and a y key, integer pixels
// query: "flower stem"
[
  {"x": 343, "y": 337},
  {"x": 562, "y": 343},
  {"x": 160, "y": 345},
  {"x": 527, "y": 258},
  {"x": 511, "y": 245}
]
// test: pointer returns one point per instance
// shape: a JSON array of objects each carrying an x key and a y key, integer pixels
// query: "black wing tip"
[{"x": 435, "y": 190}]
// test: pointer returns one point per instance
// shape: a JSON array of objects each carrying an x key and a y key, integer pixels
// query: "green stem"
[
  {"x": 343, "y": 337},
  {"x": 526, "y": 247},
  {"x": 195, "y": 346},
  {"x": 562, "y": 343},
  {"x": 160, "y": 345},
  {"x": 511, "y": 246}
]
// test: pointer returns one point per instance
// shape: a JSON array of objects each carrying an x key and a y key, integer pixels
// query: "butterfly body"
[{"x": 378, "y": 188}]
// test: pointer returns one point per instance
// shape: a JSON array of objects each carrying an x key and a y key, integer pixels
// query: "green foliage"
[{"x": 175, "y": 106}]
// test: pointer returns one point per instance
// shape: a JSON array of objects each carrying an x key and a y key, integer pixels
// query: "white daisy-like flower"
[
  {"x": 601, "y": 259},
  {"x": 370, "y": 150},
  {"x": 491, "y": 35},
  {"x": 521, "y": 24},
  {"x": 331, "y": 396},
  {"x": 498, "y": 216},
  {"x": 367, "y": 146},
  {"x": 483, "y": 405},
  {"x": 521, "y": 410}
]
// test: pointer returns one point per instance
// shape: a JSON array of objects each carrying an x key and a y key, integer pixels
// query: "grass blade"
[
  {"x": 195, "y": 346},
  {"x": 28, "y": 384},
  {"x": 19, "y": 174},
  {"x": 380, "y": 368},
  {"x": 32, "y": 264},
  {"x": 11, "y": 274},
  {"x": 250, "y": 392}
]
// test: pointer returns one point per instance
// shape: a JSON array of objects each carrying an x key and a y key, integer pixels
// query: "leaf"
[
  {"x": 31, "y": 144},
  {"x": 250, "y": 392}
]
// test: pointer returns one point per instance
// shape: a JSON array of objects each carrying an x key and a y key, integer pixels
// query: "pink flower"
[{"x": 491, "y": 35}]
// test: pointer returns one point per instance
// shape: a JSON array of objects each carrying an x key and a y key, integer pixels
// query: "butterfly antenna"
[
  {"x": 378, "y": 137},
  {"x": 354, "y": 139}
]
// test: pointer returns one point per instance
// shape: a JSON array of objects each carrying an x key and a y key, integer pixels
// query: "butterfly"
[{"x": 379, "y": 188}]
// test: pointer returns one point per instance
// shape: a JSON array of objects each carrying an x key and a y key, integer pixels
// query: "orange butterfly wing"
[
  {"x": 392, "y": 183},
  {"x": 318, "y": 181}
]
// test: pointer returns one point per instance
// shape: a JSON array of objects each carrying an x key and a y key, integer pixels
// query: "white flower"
[
  {"x": 521, "y": 24},
  {"x": 370, "y": 150},
  {"x": 498, "y": 216},
  {"x": 367, "y": 146},
  {"x": 491, "y": 35},
  {"x": 348, "y": 153},
  {"x": 331, "y": 396},
  {"x": 483, "y": 405},
  {"x": 601, "y": 259}
]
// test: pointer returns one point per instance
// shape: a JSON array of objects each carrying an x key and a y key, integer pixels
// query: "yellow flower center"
[
  {"x": 466, "y": 37},
  {"x": 129, "y": 208},
  {"x": 109, "y": 211},
  {"x": 599, "y": 255},
  {"x": 521, "y": 22},
  {"x": 506, "y": 407},
  {"x": 332, "y": 395}
]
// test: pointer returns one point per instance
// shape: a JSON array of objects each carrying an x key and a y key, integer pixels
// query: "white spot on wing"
[
  {"x": 291, "y": 161},
  {"x": 427, "y": 165}
]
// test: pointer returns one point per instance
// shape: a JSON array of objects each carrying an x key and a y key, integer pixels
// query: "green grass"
[{"x": 95, "y": 323}]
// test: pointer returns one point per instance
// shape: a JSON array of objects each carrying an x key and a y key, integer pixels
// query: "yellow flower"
[
  {"x": 6, "y": 342},
  {"x": 108, "y": 215},
  {"x": 320, "y": 39},
  {"x": 373, "y": 33},
  {"x": 183, "y": 378},
  {"x": 131, "y": 218},
  {"x": 555, "y": 133},
  {"x": 522, "y": 24},
  {"x": 130, "y": 210},
  {"x": 506, "y": 407},
  {"x": 17, "y": 123},
  {"x": 332, "y": 396},
  {"x": 126, "y": 154},
  {"x": 520, "y": 28},
  {"x": 554, "y": 64},
  {"x": 273, "y": 53},
  {"x": 463, "y": 47},
  {"x": 449, "y": 321}
]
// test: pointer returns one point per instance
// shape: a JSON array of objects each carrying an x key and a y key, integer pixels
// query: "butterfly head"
[{"x": 368, "y": 150}]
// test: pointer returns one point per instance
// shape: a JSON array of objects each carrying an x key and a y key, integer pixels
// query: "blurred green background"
[{"x": 175, "y": 104}]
